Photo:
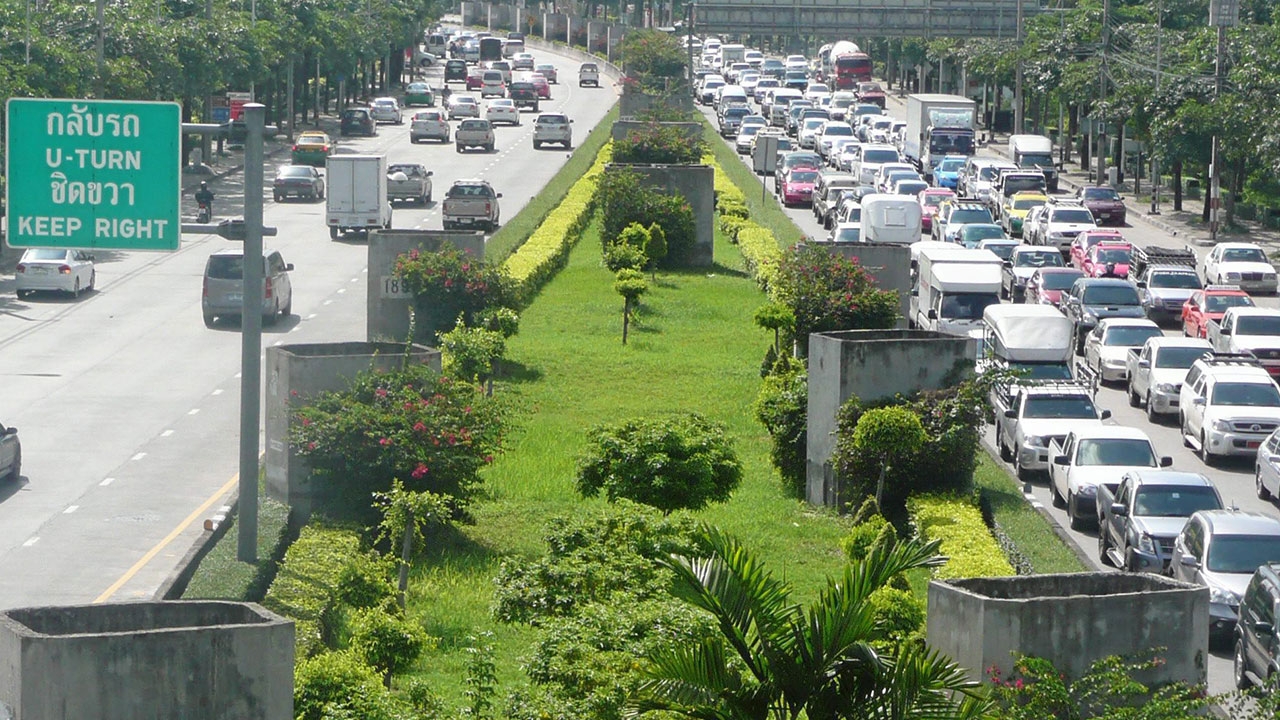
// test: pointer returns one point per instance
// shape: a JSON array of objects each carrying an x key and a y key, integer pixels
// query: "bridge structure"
[{"x": 838, "y": 19}]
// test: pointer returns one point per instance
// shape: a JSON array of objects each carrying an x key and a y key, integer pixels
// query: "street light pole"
[
  {"x": 251, "y": 335},
  {"x": 99, "y": 81},
  {"x": 1222, "y": 14},
  {"x": 1155, "y": 158}
]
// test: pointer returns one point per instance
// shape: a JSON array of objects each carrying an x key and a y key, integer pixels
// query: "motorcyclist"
[
  {"x": 204, "y": 199},
  {"x": 1110, "y": 271}
]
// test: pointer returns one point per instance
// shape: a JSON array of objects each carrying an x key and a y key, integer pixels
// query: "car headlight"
[
  {"x": 1146, "y": 544},
  {"x": 1088, "y": 490},
  {"x": 1268, "y": 276},
  {"x": 1089, "y": 317},
  {"x": 1167, "y": 388},
  {"x": 1036, "y": 440},
  {"x": 1223, "y": 596},
  {"x": 1221, "y": 425}
]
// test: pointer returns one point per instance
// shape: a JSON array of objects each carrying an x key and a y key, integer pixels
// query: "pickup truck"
[
  {"x": 1029, "y": 414},
  {"x": 474, "y": 133},
  {"x": 409, "y": 182},
  {"x": 589, "y": 73},
  {"x": 1091, "y": 456},
  {"x": 1164, "y": 289},
  {"x": 1157, "y": 369},
  {"x": 1248, "y": 330},
  {"x": 471, "y": 204},
  {"x": 524, "y": 95},
  {"x": 1140, "y": 517}
]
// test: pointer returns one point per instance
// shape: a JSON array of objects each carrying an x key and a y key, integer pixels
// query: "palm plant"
[{"x": 774, "y": 660}]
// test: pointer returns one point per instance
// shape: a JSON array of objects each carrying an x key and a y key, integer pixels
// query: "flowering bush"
[
  {"x": 1034, "y": 689},
  {"x": 449, "y": 284},
  {"x": 658, "y": 144},
  {"x": 826, "y": 292},
  {"x": 412, "y": 424}
]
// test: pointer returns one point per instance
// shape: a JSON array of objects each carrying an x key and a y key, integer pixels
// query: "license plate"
[
  {"x": 466, "y": 220},
  {"x": 39, "y": 270},
  {"x": 1253, "y": 444},
  {"x": 235, "y": 297},
  {"x": 1105, "y": 216}
]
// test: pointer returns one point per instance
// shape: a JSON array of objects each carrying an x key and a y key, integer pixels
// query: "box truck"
[
  {"x": 891, "y": 219},
  {"x": 954, "y": 287},
  {"x": 1035, "y": 152},
  {"x": 937, "y": 126},
  {"x": 356, "y": 194}
]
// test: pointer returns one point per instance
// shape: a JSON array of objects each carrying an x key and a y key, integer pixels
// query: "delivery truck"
[
  {"x": 937, "y": 126},
  {"x": 356, "y": 197}
]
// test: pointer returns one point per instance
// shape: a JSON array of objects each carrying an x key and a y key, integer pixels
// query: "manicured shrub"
[
  {"x": 899, "y": 615},
  {"x": 655, "y": 248},
  {"x": 863, "y": 536},
  {"x": 624, "y": 256},
  {"x": 305, "y": 587},
  {"x": 762, "y": 256},
  {"x": 470, "y": 353},
  {"x": 447, "y": 285},
  {"x": 680, "y": 462},
  {"x": 623, "y": 199},
  {"x": 782, "y": 406},
  {"x": 338, "y": 682},
  {"x": 630, "y": 284},
  {"x": 888, "y": 438},
  {"x": 827, "y": 292},
  {"x": 365, "y": 582},
  {"x": 657, "y": 143},
  {"x": 966, "y": 541},
  {"x": 388, "y": 643},
  {"x": 776, "y": 317}
]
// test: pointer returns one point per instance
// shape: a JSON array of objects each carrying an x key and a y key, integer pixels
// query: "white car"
[
  {"x": 552, "y": 128},
  {"x": 462, "y": 106},
  {"x": 385, "y": 110},
  {"x": 56, "y": 269},
  {"x": 1106, "y": 348},
  {"x": 848, "y": 154},
  {"x": 796, "y": 62},
  {"x": 1061, "y": 223},
  {"x": 869, "y": 160},
  {"x": 1240, "y": 263},
  {"x": 846, "y": 232},
  {"x": 808, "y": 133},
  {"x": 880, "y": 179},
  {"x": 1093, "y": 454},
  {"x": 830, "y": 132},
  {"x": 502, "y": 110},
  {"x": 522, "y": 61},
  {"x": 753, "y": 120},
  {"x": 816, "y": 91},
  {"x": 1227, "y": 406},
  {"x": 746, "y": 134},
  {"x": 429, "y": 125},
  {"x": 492, "y": 84}
]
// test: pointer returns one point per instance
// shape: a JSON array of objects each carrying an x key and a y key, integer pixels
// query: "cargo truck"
[
  {"x": 843, "y": 65},
  {"x": 953, "y": 288},
  {"x": 357, "y": 194},
  {"x": 937, "y": 126}
]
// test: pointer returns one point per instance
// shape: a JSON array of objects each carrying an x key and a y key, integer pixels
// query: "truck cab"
[
  {"x": 953, "y": 288},
  {"x": 1031, "y": 414},
  {"x": 1228, "y": 406}
]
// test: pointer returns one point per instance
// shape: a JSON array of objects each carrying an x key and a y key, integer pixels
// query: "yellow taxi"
[
  {"x": 312, "y": 148},
  {"x": 1015, "y": 210}
]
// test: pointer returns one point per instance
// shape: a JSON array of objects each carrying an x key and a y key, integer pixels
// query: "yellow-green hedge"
[
  {"x": 547, "y": 249},
  {"x": 304, "y": 587},
  {"x": 759, "y": 247},
  {"x": 966, "y": 541}
]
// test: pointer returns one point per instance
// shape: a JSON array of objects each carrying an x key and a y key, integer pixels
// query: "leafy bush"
[
  {"x": 966, "y": 541},
  {"x": 657, "y": 143},
  {"x": 447, "y": 285},
  {"x": 338, "y": 682},
  {"x": 863, "y": 536},
  {"x": 388, "y": 643},
  {"x": 827, "y": 292},
  {"x": 652, "y": 57},
  {"x": 655, "y": 248},
  {"x": 624, "y": 256},
  {"x": 899, "y": 615},
  {"x": 469, "y": 353},
  {"x": 412, "y": 424},
  {"x": 624, "y": 199},
  {"x": 365, "y": 582},
  {"x": 671, "y": 463},
  {"x": 782, "y": 406},
  {"x": 305, "y": 586}
]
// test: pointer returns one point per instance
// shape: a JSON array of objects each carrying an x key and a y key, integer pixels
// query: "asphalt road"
[
  {"x": 1234, "y": 478},
  {"x": 128, "y": 407}
]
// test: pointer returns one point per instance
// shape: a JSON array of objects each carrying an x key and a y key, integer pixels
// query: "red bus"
[{"x": 852, "y": 69}]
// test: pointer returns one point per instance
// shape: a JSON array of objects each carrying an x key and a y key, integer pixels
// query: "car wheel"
[
  {"x": 1152, "y": 417},
  {"x": 1054, "y": 495},
  {"x": 15, "y": 472},
  {"x": 1208, "y": 457},
  {"x": 1077, "y": 522},
  {"x": 459, "y": 147},
  {"x": 276, "y": 197},
  {"x": 75, "y": 289},
  {"x": 287, "y": 310},
  {"x": 1258, "y": 487},
  {"x": 1103, "y": 548},
  {"x": 1130, "y": 561},
  {"x": 333, "y": 232},
  {"x": 93, "y": 280},
  {"x": 320, "y": 194},
  {"x": 537, "y": 144},
  {"x": 1005, "y": 455},
  {"x": 1238, "y": 674},
  {"x": 1182, "y": 430},
  {"x": 1134, "y": 399},
  {"x": 428, "y": 200}
]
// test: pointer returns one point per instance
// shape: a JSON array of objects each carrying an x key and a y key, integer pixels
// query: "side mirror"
[
  {"x": 1119, "y": 509},
  {"x": 11, "y": 430},
  {"x": 1011, "y": 414},
  {"x": 1105, "y": 414},
  {"x": 498, "y": 195},
  {"x": 1224, "y": 330},
  {"x": 1142, "y": 284},
  {"x": 933, "y": 314},
  {"x": 1061, "y": 460},
  {"x": 1197, "y": 401},
  {"x": 430, "y": 173},
  {"x": 288, "y": 267},
  {"x": 1189, "y": 561},
  {"x": 1166, "y": 461},
  {"x": 1144, "y": 364}
]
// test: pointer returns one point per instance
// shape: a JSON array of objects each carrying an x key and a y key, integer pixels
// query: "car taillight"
[
  {"x": 21, "y": 268},
  {"x": 269, "y": 289},
  {"x": 487, "y": 207},
  {"x": 64, "y": 269},
  {"x": 295, "y": 148}
]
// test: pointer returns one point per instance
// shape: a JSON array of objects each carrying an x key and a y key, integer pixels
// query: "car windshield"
[
  {"x": 982, "y": 232},
  {"x": 803, "y": 176},
  {"x": 1110, "y": 295},
  {"x": 1262, "y": 325},
  {"x": 44, "y": 254},
  {"x": 950, "y": 165},
  {"x": 1039, "y": 258},
  {"x": 962, "y": 216},
  {"x": 880, "y": 156},
  {"x": 1179, "y": 357},
  {"x": 848, "y": 234},
  {"x": 967, "y": 306},
  {"x": 1027, "y": 203},
  {"x": 1113, "y": 255},
  {"x": 1241, "y": 553},
  {"x": 293, "y": 171},
  {"x": 226, "y": 267},
  {"x": 932, "y": 200},
  {"x": 1004, "y": 251},
  {"x": 1100, "y": 193},
  {"x": 474, "y": 125},
  {"x": 813, "y": 123},
  {"x": 1175, "y": 280},
  {"x": 1058, "y": 280},
  {"x": 839, "y": 129},
  {"x": 910, "y": 187},
  {"x": 749, "y": 130},
  {"x": 1243, "y": 255},
  {"x": 1059, "y": 406},
  {"x": 1246, "y": 394},
  {"x": 1174, "y": 502},
  {"x": 1072, "y": 215},
  {"x": 1130, "y": 336},
  {"x": 853, "y": 214},
  {"x": 418, "y": 87},
  {"x": 470, "y": 191},
  {"x": 1220, "y": 303},
  {"x": 1116, "y": 451}
]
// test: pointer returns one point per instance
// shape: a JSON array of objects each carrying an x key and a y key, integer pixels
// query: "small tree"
[
  {"x": 390, "y": 644},
  {"x": 628, "y": 251},
  {"x": 472, "y": 353},
  {"x": 889, "y": 435},
  {"x": 680, "y": 462},
  {"x": 407, "y": 516},
  {"x": 630, "y": 284},
  {"x": 776, "y": 317},
  {"x": 656, "y": 249}
]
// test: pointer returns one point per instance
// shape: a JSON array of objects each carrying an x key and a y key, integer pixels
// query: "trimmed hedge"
[
  {"x": 760, "y": 249},
  {"x": 304, "y": 588},
  {"x": 966, "y": 541},
  {"x": 547, "y": 249}
]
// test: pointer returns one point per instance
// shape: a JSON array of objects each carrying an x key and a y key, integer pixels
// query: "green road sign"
[{"x": 93, "y": 174}]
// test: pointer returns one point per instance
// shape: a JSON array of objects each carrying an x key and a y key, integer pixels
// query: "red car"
[
  {"x": 1108, "y": 255},
  {"x": 1086, "y": 240},
  {"x": 797, "y": 186},
  {"x": 541, "y": 85},
  {"x": 1048, "y": 284},
  {"x": 871, "y": 93},
  {"x": 475, "y": 82},
  {"x": 930, "y": 199},
  {"x": 1208, "y": 304},
  {"x": 1105, "y": 203}
]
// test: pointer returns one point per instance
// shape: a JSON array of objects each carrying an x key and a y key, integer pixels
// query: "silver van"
[{"x": 223, "y": 293}]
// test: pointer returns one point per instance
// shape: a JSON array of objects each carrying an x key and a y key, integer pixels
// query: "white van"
[
  {"x": 1036, "y": 339},
  {"x": 730, "y": 94},
  {"x": 891, "y": 219}
]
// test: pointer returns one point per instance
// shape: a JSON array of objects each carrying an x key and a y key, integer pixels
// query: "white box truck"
[
  {"x": 1035, "y": 152},
  {"x": 356, "y": 196},
  {"x": 937, "y": 126},
  {"x": 890, "y": 219},
  {"x": 954, "y": 287}
]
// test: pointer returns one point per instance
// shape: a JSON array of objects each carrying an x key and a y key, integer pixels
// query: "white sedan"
[
  {"x": 461, "y": 106},
  {"x": 502, "y": 110},
  {"x": 69, "y": 271},
  {"x": 386, "y": 109}
]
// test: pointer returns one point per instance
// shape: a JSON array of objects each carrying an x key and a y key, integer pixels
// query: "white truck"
[
  {"x": 891, "y": 219},
  {"x": 1030, "y": 415},
  {"x": 953, "y": 288},
  {"x": 356, "y": 196},
  {"x": 1035, "y": 340},
  {"x": 1157, "y": 369},
  {"x": 938, "y": 125},
  {"x": 1035, "y": 152},
  {"x": 1248, "y": 330},
  {"x": 1092, "y": 456}
]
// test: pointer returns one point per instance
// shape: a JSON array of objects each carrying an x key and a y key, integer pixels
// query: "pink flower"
[
  {"x": 311, "y": 446},
  {"x": 306, "y": 422},
  {"x": 385, "y": 442},
  {"x": 293, "y": 393},
  {"x": 380, "y": 392},
  {"x": 408, "y": 406},
  {"x": 488, "y": 459},
  {"x": 466, "y": 410},
  {"x": 419, "y": 472},
  {"x": 419, "y": 426}
]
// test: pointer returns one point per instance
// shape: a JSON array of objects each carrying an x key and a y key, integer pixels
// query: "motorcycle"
[{"x": 205, "y": 213}]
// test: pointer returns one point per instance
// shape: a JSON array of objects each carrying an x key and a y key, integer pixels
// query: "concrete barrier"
[
  {"x": 889, "y": 265},
  {"x": 387, "y": 302},
  {"x": 1071, "y": 620},
  {"x": 202, "y": 660},
  {"x": 869, "y": 365}
]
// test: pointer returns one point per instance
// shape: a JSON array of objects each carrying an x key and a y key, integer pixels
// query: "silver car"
[
  {"x": 55, "y": 269},
  {"x": 1220, "y": 549},
  {"x": 223, "y": 292},
  {"x": 386, "y": 110}
]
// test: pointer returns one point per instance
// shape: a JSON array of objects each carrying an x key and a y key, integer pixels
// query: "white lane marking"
[
  {"x": 138, "y": 456},
  {"x": 341, "y": 290},
  {"x": 166, "y": 433},
  {"x": 1037, "y": 505},
  {"x": 355, "y": 279},
  {"x": 193, "y": 411},
  {"x": 311, "y": 316},
  {"x": 237, "y": 376},
  {"x": 217, "y": 392},
  {"x": 31, "y": 541},
  {"x": 106, "y": 481},
  {"x": 327, "y": 302},
  {"x": 70, "y": 509}
]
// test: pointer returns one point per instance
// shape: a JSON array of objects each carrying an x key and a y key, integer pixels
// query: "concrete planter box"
[
  {"x": 696, "y": 184},
  {"x": 126, "y": 661},
  {"x": 869, "y": 365},
  {"x": 1071, "y": 620},
  {"x": 387, "y": 305},
  {"x": 297, "y": 372}
]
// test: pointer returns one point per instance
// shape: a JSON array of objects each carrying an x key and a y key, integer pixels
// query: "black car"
[
  {"x": 10, "y": 454},
  {"x": 358, "y": 121},
  {"x": 524, "y": 94},
  {"x": 455, "y": 71},
  {"x": 298, "y": 180}
]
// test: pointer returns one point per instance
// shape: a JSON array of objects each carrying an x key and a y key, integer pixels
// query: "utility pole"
[
  {"x": 99, "y": 82},
  {"x": 206, "y": 141},
  {"x": 1018, "y": 121},
  {"x": 27, "y": 24},
  {"x": 1100, "y": 122},
  {"x": 251, "y": 336},
  {"x": 1155, "y": 159},
  {"x": 1222, "y": 14}
]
